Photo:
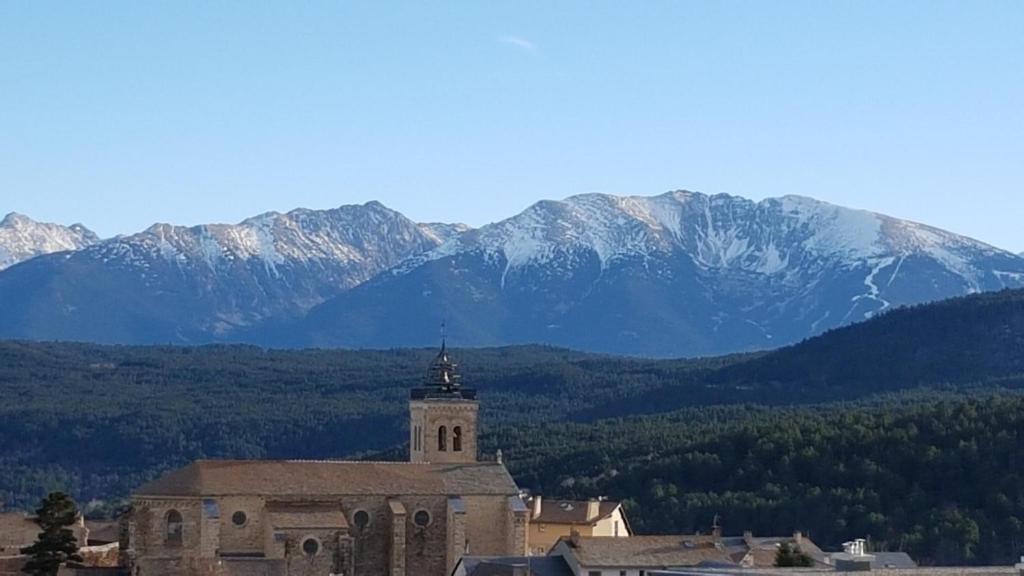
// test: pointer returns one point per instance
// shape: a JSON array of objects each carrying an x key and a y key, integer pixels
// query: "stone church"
[{"x": 283, "y": 518}]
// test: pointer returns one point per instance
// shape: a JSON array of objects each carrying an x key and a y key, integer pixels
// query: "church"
[{"x": 299, "y": 518}]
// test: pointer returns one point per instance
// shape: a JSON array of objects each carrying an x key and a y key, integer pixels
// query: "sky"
[{"x": 122, "y": 114}]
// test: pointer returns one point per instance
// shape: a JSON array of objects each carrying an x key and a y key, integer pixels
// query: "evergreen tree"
[
  {"x": 792, "y": 556},
  {"x": 56, "y": 543}
]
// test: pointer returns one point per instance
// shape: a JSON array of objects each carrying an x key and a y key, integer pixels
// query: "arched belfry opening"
[{"x": 443, "y": 414}]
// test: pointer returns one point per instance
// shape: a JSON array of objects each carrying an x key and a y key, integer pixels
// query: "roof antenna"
[{"x": 444, "y": 334}]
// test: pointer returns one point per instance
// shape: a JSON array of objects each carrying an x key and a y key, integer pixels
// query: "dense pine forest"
[
  {"x": 904, "y": 428},
  {"x": 932, "y": 473}
]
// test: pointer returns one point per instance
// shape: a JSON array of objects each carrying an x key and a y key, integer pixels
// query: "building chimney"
[
  {"x": 748, "y": 537},
  {"x": 574, "y": 538},
  {"x": 537, "y": 505},
  {"x": 593, "y": 509},
  {"x": 798, "y": 537}
]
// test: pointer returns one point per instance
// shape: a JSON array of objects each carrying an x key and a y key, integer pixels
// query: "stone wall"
[
  {"x": 430, "y": 415},
  {"x": 247, "y": 537}
]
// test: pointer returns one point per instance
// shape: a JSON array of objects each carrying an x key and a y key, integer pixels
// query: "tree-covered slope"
[
  {"x": 99, "y": 420},
  {"x": 934, "y": 474}
]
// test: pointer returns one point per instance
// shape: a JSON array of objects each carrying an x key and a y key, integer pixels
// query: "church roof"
[{"x": 330, "y": 478}]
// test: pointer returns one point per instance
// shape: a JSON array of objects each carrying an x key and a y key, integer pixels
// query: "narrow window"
[
  {"x": 616, "y": 528},
  {"x": 175, "y": 526},
  {"x": 457, "y": 439},
  {"x": 442, "y": 439}
]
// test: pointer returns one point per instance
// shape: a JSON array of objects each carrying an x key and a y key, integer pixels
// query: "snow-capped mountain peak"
[{"x": 22, "y": 238}]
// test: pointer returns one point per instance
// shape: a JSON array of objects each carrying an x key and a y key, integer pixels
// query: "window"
[
  {"x": 361, "y": 519},
  {"x": 457, "y": 439},
  {"x": 442, "y": 439},
  {"x": 417, "y": 441},
  {"x": 616, "y": 527},
  {"x": 594, "y": 573},
  {"x": 421, "y": 518},
  {"x": 310, "y": 546},
  {"x": 239, "y": 518},
  {"x": 622, "y": 573},
  {"x": 175, "y": 527}
]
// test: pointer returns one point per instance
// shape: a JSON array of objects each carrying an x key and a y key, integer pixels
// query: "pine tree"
[
  {"x": 56, "y": 544},
  {"x": 792, "y": 556}
]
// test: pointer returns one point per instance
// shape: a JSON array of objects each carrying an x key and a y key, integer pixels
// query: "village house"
[
  {"x": 298, "y": 518},
  {"x": 553, "y": 519},
  {"x": 644, "y": 555},
  {"x": 18, "y": 530}
]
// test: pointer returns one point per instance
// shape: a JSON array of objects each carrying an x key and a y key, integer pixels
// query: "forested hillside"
[
  {"x": 763, "y": 439},
  {"x": 934, "y": 474}
]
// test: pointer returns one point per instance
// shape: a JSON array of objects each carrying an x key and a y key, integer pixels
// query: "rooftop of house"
[
  {"x": 830, "y": 571},
  {"x": 330, "y": 478},
  {"x": 572, "y": 511},
  {"x": 508, "y": 565},
  {"x": 662, "y": 552}
]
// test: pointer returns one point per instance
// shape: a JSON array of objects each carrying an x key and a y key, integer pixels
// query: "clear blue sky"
[{"x": 122, "y": 114}]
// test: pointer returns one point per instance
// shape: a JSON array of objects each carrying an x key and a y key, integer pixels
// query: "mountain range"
[{"x": 679, "y": 274}]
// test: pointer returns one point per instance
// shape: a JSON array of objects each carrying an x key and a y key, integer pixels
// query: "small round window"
[
  {"x": 310, "y": 546},
  {"x": 421, "y": 518},
  {"x": 361, "y": 519},
  {"x": 239, "y": 518}
]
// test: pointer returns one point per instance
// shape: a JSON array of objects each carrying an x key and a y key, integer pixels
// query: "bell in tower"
[{"x": 442, "y": 415}]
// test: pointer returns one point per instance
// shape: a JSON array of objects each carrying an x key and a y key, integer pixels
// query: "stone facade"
[
  {"x": 299, "y": 518},
  {"x": 443, "y": 430}
]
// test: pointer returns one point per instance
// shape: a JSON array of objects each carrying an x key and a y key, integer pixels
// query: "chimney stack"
[
  {"x": 798, "y": 537},
  {"x": 537, "y": 505},
  {"x": 574, "y": 538},
  {"x": 593, "y": 509}
]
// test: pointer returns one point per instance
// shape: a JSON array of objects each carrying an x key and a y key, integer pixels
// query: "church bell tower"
[{"x": 442, "y": 416}]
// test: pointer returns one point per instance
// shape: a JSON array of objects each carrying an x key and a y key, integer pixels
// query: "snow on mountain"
[
  {"x": 678, "y": 274},
  {"x": 773, "y": 237},
  {"x": 22, "y": 238},
  {"x": 675, "y": 274},
  {"x": 201, "y": 283}
]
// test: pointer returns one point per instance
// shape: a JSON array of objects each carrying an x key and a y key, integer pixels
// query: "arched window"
[
  {"x": 457, "y": 439},
  {"x": 442, "y": 439},
  {"x": 175, "y": 525}
]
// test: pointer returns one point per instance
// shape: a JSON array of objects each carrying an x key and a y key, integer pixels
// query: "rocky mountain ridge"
[{"x": 678, "y": 274}]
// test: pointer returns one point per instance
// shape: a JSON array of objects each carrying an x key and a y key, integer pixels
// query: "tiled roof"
[
  {"x": 330, "y": 478},
  {"x": 103, "y": 530},
  {"x": 505, "y": 566},
  {"x": 647, "y": 551},
  {"x": 690, "y": 550},
  {"x": 571, "y": 511}
]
